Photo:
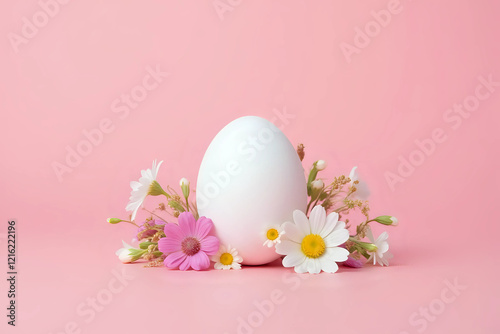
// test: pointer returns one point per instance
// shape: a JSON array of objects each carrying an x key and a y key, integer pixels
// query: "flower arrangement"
[{"x": 316, "y": 240}]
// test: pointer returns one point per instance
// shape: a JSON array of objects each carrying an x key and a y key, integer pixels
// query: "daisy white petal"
[
  {"x": 227, "y": 258},
  {"x": 140, "y": 189},
  {"x": 331, "y": 223},
  {"x": 302, "y": 222},
  {"x": 328, "y": 266},
  {"x": 317, "y": 219},
  {"x": 310, "y": 245},
  {"x": 286, "y": 247},
  {"x": 336, "y": 254},
  {"x": 302, "y": 268},
  {"x": 294, "y": 259},
  {"x": 337, "y": 237},
  {"x": 314, "y": 266},
  {"x": 292, "y": 232}
]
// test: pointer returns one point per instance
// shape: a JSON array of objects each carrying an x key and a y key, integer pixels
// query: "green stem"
[
  {"x": 308, "y": 206},
  {"x": 130, "y": 222},
  {"x": 338, "y": 210},
  {"x": 154, "y": 214}
]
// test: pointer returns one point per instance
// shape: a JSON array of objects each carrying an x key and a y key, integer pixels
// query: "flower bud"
[
  {"x": 114, "y": 220},
  {"x": 316, "y": 189},
  {"x": 317, "y": 184},
  {"x": 321, "y": 164},
  {"x": 387, "y": 220},
  {"x": 125, "y": 256},
  {"x": 184, "y": 183}
]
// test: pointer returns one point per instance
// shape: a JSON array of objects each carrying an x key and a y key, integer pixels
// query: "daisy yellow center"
[
  {"x": 313, "y": 246},
  {"x": 190, "y": 246},
  {"x": 226, "y": 259},
  {"x": 272, "y": 234}
]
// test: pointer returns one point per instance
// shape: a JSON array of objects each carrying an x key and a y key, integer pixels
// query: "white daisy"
[
  {"x": 140, "y": 189},
  {"x": 382, "y": 254},
  {"x": 273, "y": 236},
  {"x": 311, "y": 244},
  {"x": 124, "y": 253},
  {"x": 362, "y": 190},
  {"x": 227, "y": 258}
]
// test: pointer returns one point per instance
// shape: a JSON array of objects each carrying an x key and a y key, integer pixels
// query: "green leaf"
[{"x": 146, "y": 244}]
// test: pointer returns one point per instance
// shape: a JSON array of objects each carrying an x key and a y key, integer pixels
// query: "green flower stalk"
[
  {"x": 176, "y": 206},
  {"x": 364, "y": 245},
  {"x": 184, "y": 183},
  {"x": 156, "y": 190}
]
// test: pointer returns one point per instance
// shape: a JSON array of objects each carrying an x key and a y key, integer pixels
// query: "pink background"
[{"x": 259, "y": 57}]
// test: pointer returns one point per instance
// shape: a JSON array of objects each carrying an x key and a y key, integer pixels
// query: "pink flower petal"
[
  {"x": 169, "y": 245},
  {"x": 210, "y": 245},
  {"x": 203, "y": 227},
  {"x": 172, "y": 231},
  {"x": 200, "y": 261},
  {"x": 186, "y": 264},
  {"x": 173, "y": 260},
  {"x": 353, "y": 263},
  {"x": 187, "y": 223}
]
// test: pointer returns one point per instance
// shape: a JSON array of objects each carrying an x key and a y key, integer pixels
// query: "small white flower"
[
  {"x": 184, "y": 182},
  {"x": 317, "y": 184},
  {"x": 394, "y": 221},
  {"x": 140, "y": 189},
  {"x": 382, "y": 255},
  {"x": 227, "y": 258},
  {"x": 124, "y": 253},
  {"x": 273, "y": 236},
  {"x": 362, "y": 190},
  {"x": 311, "y": 245},
  {"x": 321, "y": 165}
]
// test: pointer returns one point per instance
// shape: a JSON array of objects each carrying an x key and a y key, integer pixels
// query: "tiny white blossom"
[
  {"x": 382, "y": 254},
  {"x": 124, "y": 253},
  {"x": 140, "y": 189},
  {"x": 362, "y": 190}
]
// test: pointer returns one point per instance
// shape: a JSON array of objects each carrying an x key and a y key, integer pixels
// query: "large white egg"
[{"x": 250, "y": 180}]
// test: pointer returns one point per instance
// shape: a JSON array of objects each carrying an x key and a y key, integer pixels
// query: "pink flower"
[
  {"x": 143, "y": 232},
  {"x": 353, "y": 263},
  {"x": 188, "y": 244}
]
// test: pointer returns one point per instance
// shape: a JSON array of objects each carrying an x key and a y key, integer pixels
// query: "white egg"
[{"x": 250, "y": 180}]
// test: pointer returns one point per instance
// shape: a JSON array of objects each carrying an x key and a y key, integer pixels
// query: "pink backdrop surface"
[{"x": 419, "y": 83}]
